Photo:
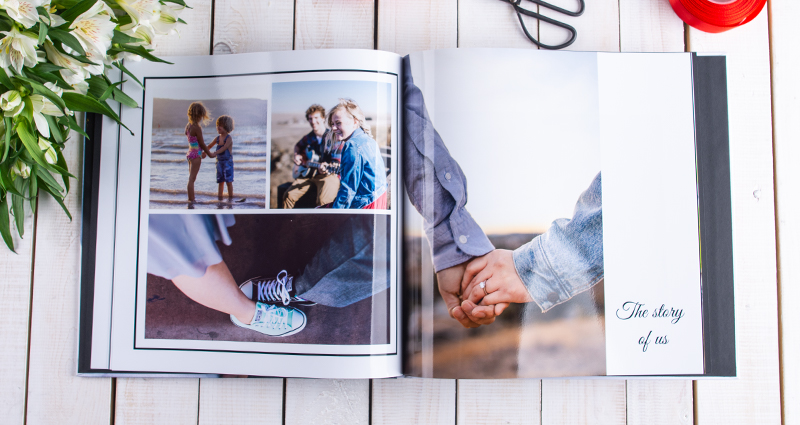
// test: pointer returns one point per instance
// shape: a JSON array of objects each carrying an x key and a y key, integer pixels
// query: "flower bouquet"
[{"x": 54, "y": 57}]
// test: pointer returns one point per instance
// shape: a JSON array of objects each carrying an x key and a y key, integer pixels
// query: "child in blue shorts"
[{"x": 224, "y": 154}]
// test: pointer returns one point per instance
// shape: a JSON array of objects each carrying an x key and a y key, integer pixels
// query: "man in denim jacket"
[{"x": 550, "y": 269}]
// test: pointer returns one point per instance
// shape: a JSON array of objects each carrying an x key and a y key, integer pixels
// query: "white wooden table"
[{"x": 39, "y": 289}]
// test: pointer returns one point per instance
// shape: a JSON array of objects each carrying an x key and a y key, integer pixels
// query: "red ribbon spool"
[{"x": 717, "y": 16}]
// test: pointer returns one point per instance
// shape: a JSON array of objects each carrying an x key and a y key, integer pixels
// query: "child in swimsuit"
[
  {"x": 198, "y": 115},
  {"x": 224, "y": 155}
]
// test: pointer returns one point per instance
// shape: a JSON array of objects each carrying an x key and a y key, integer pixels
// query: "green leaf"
[
  {"x": 33, "y": 190},
  {"x": 97, "y": 85},
  {"x": 17, "y": 207},
  {"x": 128, "y": 73},
  {"x": 180, "y": 2},
  {"x": 141, "y": 51},
  {"x": 80, "y": 102},
  {"x": 73, "y": 12},
  {"x": 120, "y": 38},
  {"x": 108, "y": 91},
  {"x": 55, "y": 129},
  {"x": 63, "y": 164},
  {"x": 5, "y": 228},
  {"x": 72, "y": 124},
  {"x": 124, "y": 99},
  {"x": 47, "y": 67},
  {"x": 4, "y": 80},
  {"x": 181, "y": 21},
  {"x": 42, "y": 32},
  {"x": 8, "y": 123},
  {"x": 67, "y": 38},
  {"x": 31, "y": 143},
  {"x": 57, "y": 197},
  {"x": 8, "y": 185},
  {"x": 49, "y": 181}
]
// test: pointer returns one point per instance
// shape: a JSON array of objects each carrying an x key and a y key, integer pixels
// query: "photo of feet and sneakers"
[{"x": 313, "y": 255}]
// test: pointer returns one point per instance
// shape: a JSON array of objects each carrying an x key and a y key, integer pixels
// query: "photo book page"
[
  {"x": 576, "y": 243},
  {"x": 257, "y": 217}
]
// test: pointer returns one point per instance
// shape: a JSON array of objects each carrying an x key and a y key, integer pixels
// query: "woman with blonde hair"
[
  {"x": 362, "y": 173},
  {"x": 198, "y": 115}
]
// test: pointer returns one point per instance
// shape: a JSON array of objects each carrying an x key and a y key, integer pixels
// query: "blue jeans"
[{"x": 352, "y": 266}]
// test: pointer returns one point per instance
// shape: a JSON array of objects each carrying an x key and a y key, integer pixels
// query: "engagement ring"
[{"x": 482, "y": 285}]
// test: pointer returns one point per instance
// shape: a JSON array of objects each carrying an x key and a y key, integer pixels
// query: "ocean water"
[{"x": 169, "y": 170}]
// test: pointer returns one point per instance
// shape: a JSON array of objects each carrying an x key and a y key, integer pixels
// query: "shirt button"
[
  {"x": 447, "y": 176},
  {"x": 552, "y": 297},
  {"x": 462, "y": 239}
]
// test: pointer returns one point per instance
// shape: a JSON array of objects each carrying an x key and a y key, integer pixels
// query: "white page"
[
  {"x": 249, "y": 78},
  {"x": 650, "y": 221}
]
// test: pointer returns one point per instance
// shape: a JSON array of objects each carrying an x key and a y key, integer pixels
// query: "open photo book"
[{"x": 461, "y": 213}]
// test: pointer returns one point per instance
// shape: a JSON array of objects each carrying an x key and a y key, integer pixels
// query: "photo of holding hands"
[{"x": 519, "y": 275}]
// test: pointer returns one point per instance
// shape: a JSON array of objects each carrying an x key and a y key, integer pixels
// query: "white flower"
[
  {"x": 166, "y": 21},
  {"x": 11, "y": 103},
  {"x": 94, "y": 30},
  {"x": 17, "y": 49},
  {"x": 74, "y": 72},
  {"x": 54, "y": 88},
  {"x": 52, "y": 19},
  {"x": 49, "y": 153},
  {"x": 43, "y": 106},
  {"x": 23, "y": 11},
  {"x": 140, "y": 10},
  {"x": 82, "y": 87},
  {"x": 21, "y": 169},
  {"x": 141, "y": 30}
]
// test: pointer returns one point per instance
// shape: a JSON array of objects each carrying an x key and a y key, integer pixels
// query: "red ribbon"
[{"x": 709, "y": 16}]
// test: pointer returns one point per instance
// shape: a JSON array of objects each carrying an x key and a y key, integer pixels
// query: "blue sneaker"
[{"x": 274, "y": 321}]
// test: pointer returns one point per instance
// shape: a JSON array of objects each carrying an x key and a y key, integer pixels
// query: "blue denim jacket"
[
  {"x": 363, "y": 175},
  {"x": 568, "y": 258}
]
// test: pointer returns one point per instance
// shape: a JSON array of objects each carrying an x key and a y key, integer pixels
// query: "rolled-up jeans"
[{"x": 353, "y": 265}]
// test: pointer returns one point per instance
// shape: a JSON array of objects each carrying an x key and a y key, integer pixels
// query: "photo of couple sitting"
[{"x": 341, "y": 159}]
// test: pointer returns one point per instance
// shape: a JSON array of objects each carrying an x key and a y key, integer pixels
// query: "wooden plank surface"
[
  {"x": 54, "y": 390},
  {"x": 242, "y": 26},
  {"x": 403, "y": 401},
  {"x": 239, "y": 400},
  {"x": 406, "y": 26},
  {"x": 577, "y": 402},
  {"x": 786, "y": 126},
  {"x": 649, "y": 26},
  {"x": 755, "y": 396},
  {"x": 156, "y": 401},
  {"x": 314, "y": 401},
  {"x": 499, "y": 401},
  {"x": 490, "y": 23},
  {"x": 15, "y": 303},
  {"x": 667, "y": 402},
  {"x": 327, "y": 24}
]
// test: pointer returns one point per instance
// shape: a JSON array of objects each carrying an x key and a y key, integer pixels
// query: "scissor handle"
[
  {"x": 558, "y": 9},
  {"x": 522, "y": 11}
]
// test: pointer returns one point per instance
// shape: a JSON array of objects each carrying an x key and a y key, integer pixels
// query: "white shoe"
[
  {"x": 273, "y": 291},
  {"x": 274, "y": 321}
]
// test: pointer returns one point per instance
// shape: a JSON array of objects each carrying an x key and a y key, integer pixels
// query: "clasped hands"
[{"x": 470, "y": 304}]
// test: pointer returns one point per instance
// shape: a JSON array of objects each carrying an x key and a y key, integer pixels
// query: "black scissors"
[{"x": 521, "y": 11}]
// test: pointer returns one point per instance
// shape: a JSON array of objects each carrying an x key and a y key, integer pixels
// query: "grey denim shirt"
[{"x": 436, "y": 186}]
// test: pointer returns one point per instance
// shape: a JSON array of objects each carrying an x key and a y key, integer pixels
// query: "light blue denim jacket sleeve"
[
  {"x": 436, "y": 186},
  {"x": 568, "y": 258}
]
